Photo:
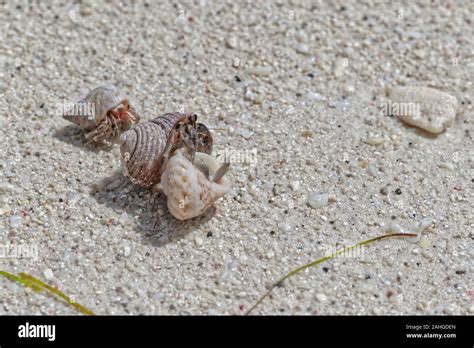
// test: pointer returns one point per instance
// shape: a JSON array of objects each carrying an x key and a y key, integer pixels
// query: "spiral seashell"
[
  {"x": 146, "y": 147},
  {"x": 104, "y": 113},
  {"x": 191, "y": 189},
  {"x": 143, "y": 146}
]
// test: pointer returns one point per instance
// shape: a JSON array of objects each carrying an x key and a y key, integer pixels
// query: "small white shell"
[{"x": 189, "y": 191}]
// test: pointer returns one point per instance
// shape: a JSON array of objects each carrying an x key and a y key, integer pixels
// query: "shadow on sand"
[
  {"x": 74, "y": 135},
  {"x": 153, "y": 221}
]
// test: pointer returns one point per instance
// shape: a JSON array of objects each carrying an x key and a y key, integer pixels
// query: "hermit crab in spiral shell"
[
  {"x": 173, "y": 150},
  {"x": 146, "y": 148},
  {"x": 104, "y": 114}
]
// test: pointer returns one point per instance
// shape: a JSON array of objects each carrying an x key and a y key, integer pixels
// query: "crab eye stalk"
[{"x": 193, "y": 118}]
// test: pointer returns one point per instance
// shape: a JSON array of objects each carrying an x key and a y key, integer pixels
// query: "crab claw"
[{"x": 131, "y": 114}]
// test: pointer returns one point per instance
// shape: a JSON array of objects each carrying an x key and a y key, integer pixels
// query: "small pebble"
[
  {"x": 421, "y": 54},
  {"x": 126, "y": 251},
  {"x": 349, "y": 89},
  {"x": 6, "y": 187},
  {"x": 73, "y": 197},
  {"x": 321, "y": 297},
  {"x": 332, "y": 198},
  {"x": 295, "y": 185},
  {"x": 413, "y": 34},
  {"x": 396, "y": 299},
  {"x": 85, "y": 10},
  {"x": 372, "y": 170},
  {"x": 424, "y": 107},
  {"x": 427, "y": 255},
  {"x": 375, "y": 141},
  {"x": 343, "y": 104},
  {"x": 318, "y": 200},
  {"x": 421, "y": 306},
  {"x": 15, "y": 221},
  {"x": 284, "y": 227},
  {"x": 449, "y": 310},
  {"x": 198, "y": 241},
  {"x": 246, "y": 134},
  {"x": 48, "y": 274},
  {"x": 231, "y": 42},
  {"x": 339, "y": 66},
  {"x": 260, "y": 70},
  {"x": 377, "y": 310},
  {"x": 446, "y": 165},
  {"x": 302, "y": 48},
  {"x": 332, "y": 104},
  {"x": 301, "y": 36},
  {"x": 362, "y": 164},
  {"x": 312, "y": 96},
  {"x": 425, "y": 243},
  {"x": 4, "y": 209},
  {"x": 254, "y": 97},
  {"x": 396, "y": 228}
]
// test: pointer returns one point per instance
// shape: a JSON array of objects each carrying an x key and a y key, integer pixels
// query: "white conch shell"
[{"x": 190, "y": 192}]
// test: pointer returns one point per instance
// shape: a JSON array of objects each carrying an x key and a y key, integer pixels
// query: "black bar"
[{"x": 348, "y": 330}]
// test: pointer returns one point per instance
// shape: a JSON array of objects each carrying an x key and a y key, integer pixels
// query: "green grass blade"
[
  {"x": 323, "y": 259},
  {"x": 20, "y": 280},
  {"x": 37, "y": 285},
  {"x": 57, "y": 292}
]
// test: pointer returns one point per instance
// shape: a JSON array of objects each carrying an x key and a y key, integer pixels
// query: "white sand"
[{"x": 313, "y": 75}]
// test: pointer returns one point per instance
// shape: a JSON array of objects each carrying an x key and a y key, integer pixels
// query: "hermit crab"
[
  {"x": 103, "y": 113},
  {"x": 146, "y": 148},
  {"x": 191, "y": 188}
]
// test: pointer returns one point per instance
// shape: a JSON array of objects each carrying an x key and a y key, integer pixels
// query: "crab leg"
[
  {"x": 172, "y": 140},
  {"x": 220, "y": 172}
]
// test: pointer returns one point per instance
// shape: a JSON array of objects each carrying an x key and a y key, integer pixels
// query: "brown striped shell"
[
  {"x": 104, "y": 113},
  {"x": 142, "y": 148}
]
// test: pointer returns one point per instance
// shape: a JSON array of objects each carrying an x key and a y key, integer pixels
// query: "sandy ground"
[{"x": 300, "y": 83}]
